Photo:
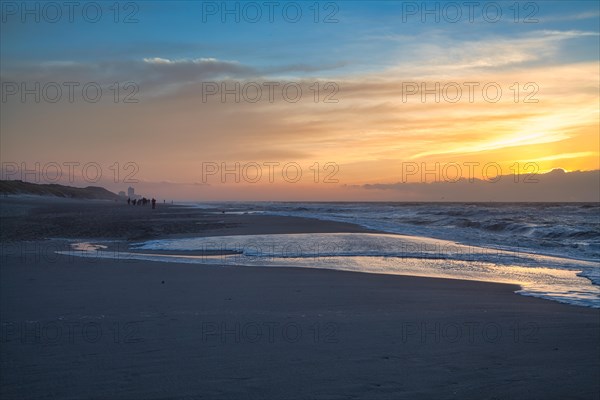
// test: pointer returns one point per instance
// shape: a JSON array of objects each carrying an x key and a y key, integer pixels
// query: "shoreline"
[
  {"x": 176, "y": 221},
  {"x": 518, "y": 289}
]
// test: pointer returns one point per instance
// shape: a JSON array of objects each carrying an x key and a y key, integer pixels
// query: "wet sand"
[{"x": 75, "y": 328}]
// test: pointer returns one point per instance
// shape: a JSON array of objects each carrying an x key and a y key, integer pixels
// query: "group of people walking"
[{"x": 141, "y": 202}]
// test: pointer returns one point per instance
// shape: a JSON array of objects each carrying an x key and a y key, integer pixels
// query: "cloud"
[
  {"x": 554, "y": 186},
  {"x": 572, "y": 17},
  {"x": 514, "y": 140},
  {"x": 422, "y": 56},
  {"x": 425, "y": 54},
  {"x": 156, "y": 75},
  {"x": 563, "y": 156}
]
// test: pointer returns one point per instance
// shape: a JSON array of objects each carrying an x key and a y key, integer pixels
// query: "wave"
[{"x": 556, "y": 229}]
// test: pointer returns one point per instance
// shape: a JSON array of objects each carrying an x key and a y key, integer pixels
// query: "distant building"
[
  {"x": 131, "y": 193},
  {"x": 121, "y": 194}
]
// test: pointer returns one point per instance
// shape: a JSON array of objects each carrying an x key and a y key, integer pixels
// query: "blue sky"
[{"x": 361, "y": 40}]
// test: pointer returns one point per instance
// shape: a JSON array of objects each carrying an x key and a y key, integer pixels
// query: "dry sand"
[{"x": 76, "y": 328}]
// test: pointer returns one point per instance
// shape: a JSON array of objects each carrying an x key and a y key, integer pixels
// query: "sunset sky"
[{"x": 369, "y": 127}]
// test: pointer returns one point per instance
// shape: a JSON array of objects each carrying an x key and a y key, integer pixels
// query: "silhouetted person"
[
  {"x": 128, "y": 201},
  {"x": 134, "y": 201},
  {"x": 153, "y": 203}
]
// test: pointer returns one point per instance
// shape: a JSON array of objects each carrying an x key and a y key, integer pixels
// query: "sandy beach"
[
  {"x": 75, "y": 328},
  {"x": 299, "y": 200}
]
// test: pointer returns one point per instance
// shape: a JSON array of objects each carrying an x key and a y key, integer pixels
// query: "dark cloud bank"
[{"x": 554, "y": 186}]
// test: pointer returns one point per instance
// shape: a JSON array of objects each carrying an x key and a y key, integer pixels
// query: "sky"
[{"x": 347, "y": 100}]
